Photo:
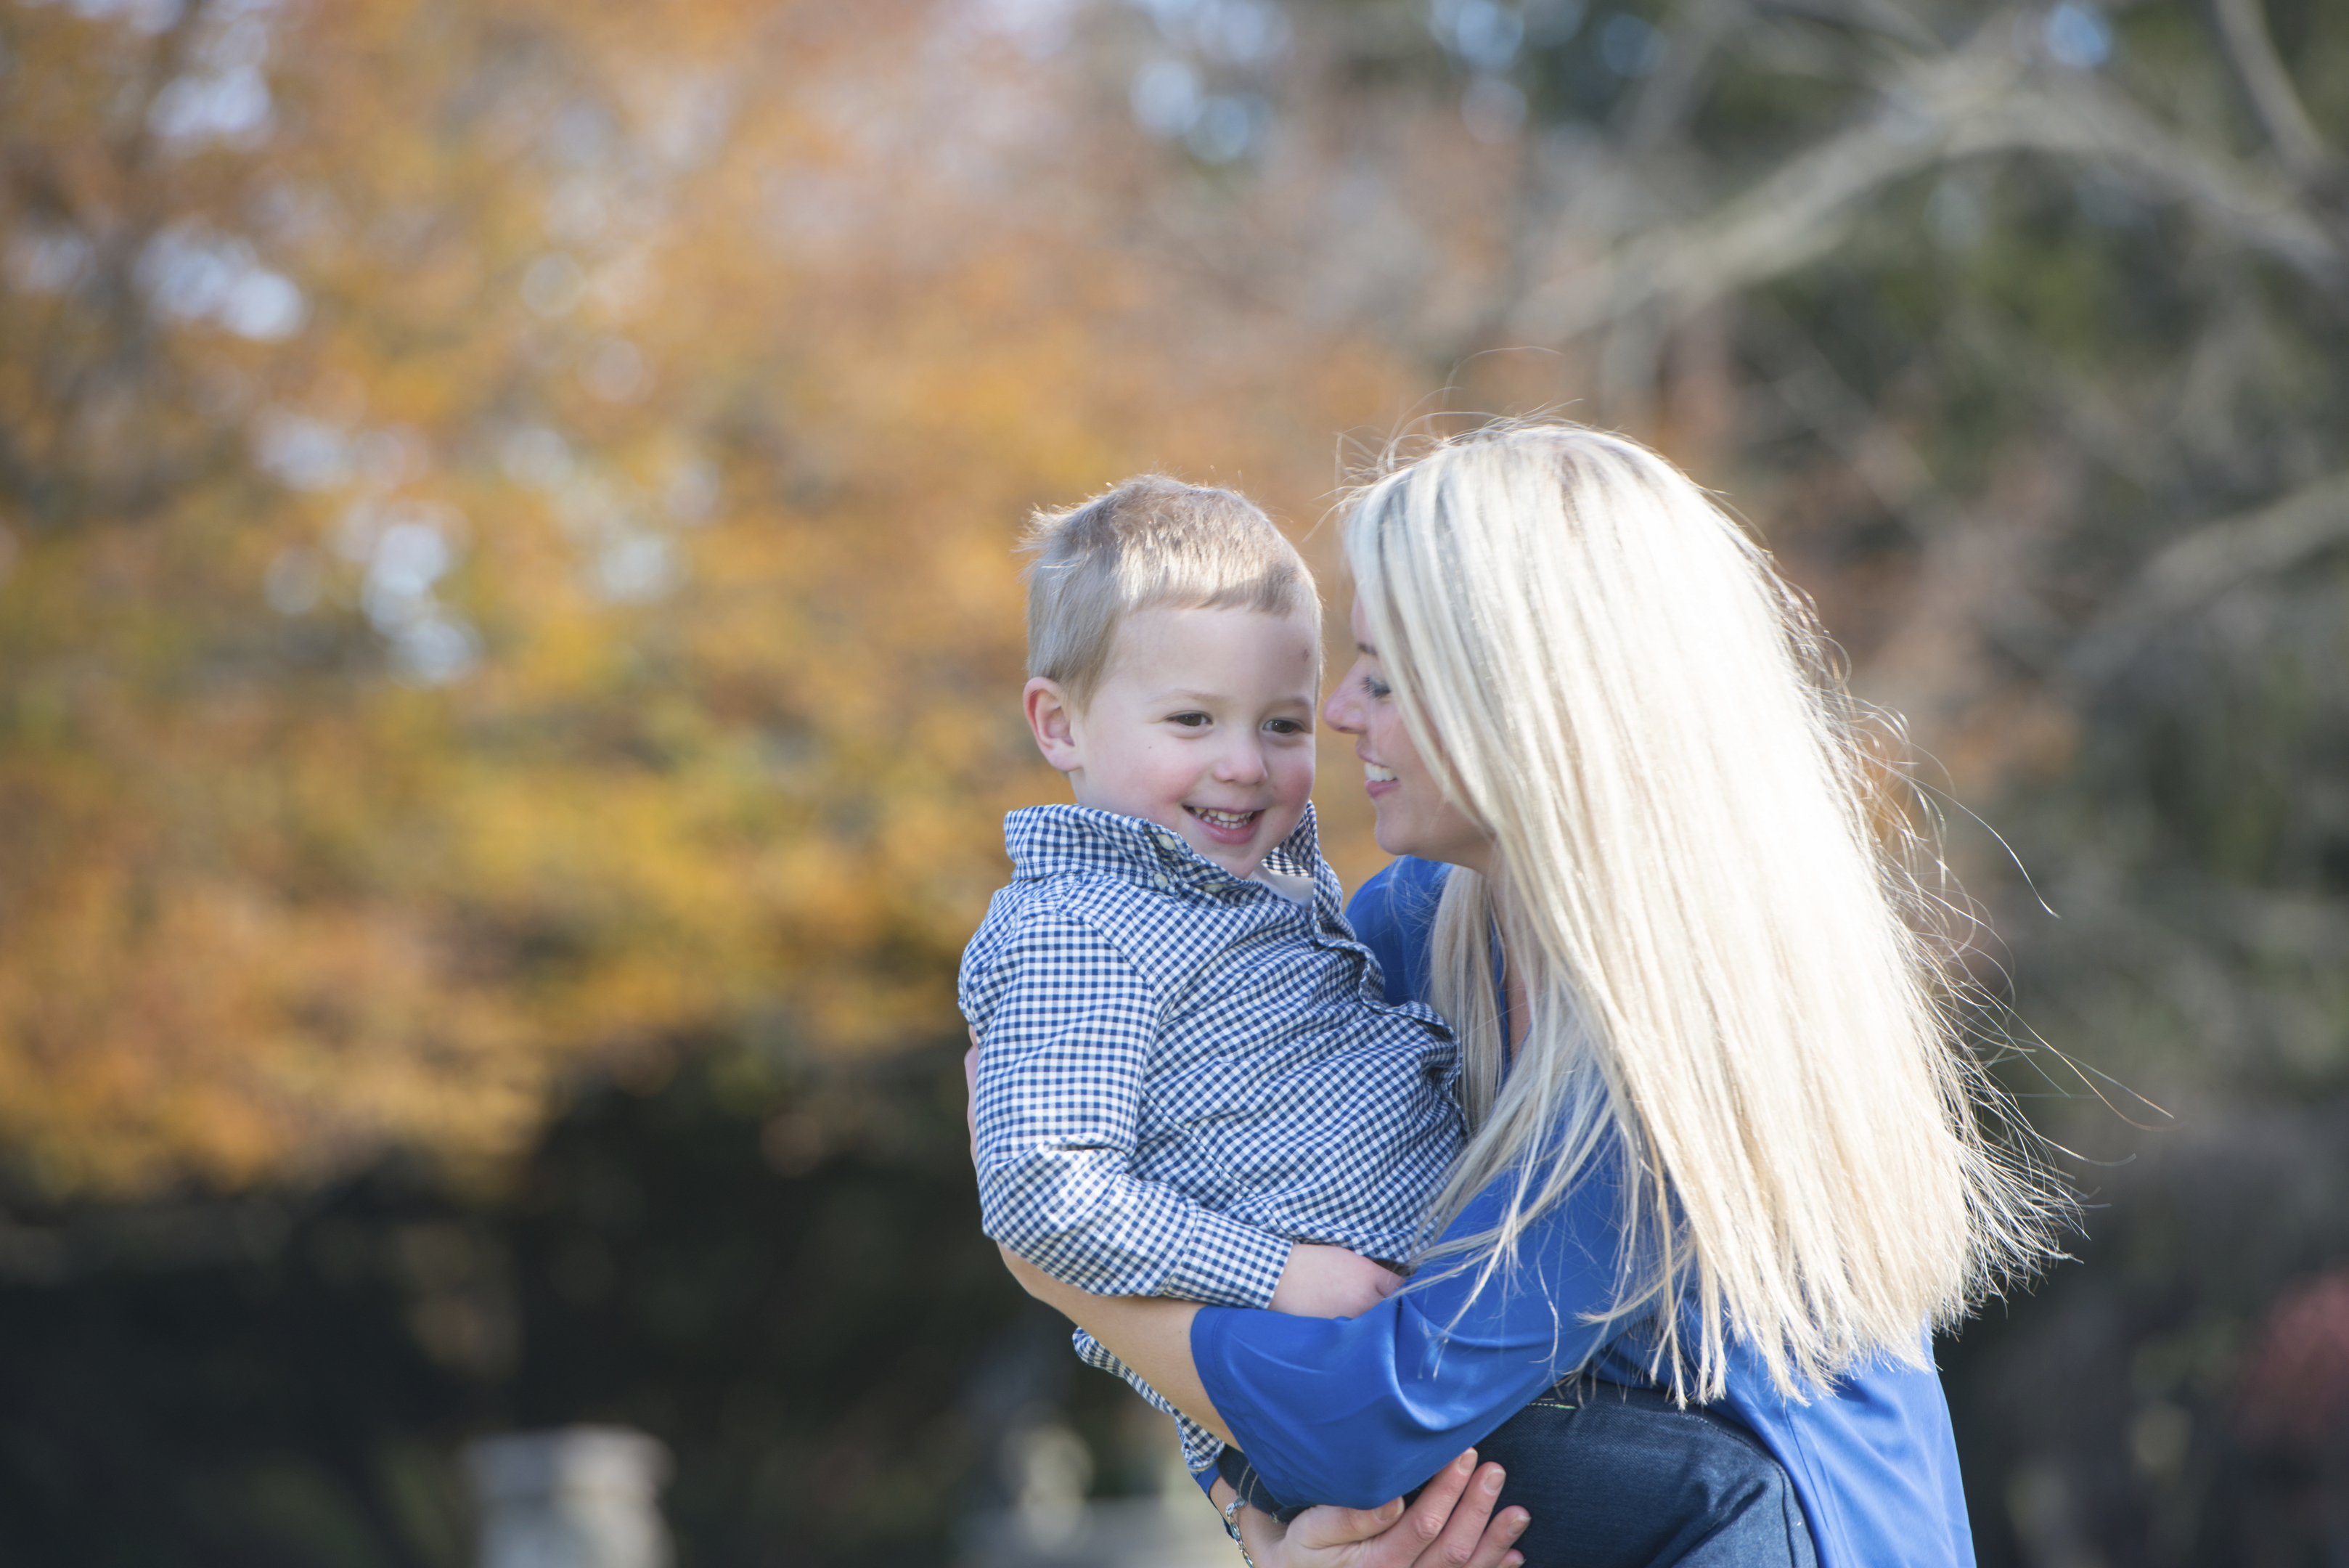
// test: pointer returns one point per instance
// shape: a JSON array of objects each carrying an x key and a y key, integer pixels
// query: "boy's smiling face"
[{"x": 1204, "y": 724}]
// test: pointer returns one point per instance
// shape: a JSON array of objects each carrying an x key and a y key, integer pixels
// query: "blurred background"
[{"x": 509, "y": 645}]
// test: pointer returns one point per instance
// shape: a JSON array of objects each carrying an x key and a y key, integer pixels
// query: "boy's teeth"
[
  {"x": 1224, "y": 818},
  {"x": 1377, "y": 775}
]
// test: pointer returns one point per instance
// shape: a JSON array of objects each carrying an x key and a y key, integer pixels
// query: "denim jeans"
[{"x": 1616, "y": 1477}]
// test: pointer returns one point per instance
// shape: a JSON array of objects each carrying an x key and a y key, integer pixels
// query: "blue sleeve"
[
  {"x": 1359, "y": 1410},
  {"x": 1393, "y": 914},
  {"x": 1874, "y": 1462}
]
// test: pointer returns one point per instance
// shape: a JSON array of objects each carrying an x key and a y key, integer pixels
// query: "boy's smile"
[{"x": 1203, "y": 724}]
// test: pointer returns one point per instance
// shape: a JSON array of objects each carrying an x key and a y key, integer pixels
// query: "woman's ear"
[{"x": 1052, "y": 720}]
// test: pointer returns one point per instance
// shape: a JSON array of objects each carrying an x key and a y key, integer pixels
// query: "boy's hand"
[{"x": 1330, "y": 1281}]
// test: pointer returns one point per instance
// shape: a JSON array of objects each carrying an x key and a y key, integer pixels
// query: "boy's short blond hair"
[{"x": 1152, "y": 543}]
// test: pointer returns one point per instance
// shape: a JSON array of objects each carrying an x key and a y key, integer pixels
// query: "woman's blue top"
[{"x": 1358, "y": 1410}]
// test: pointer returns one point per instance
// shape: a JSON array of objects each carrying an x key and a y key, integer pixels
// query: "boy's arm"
[
  {"x": 1056, "y": 1119},
  {"x": 1315, "y": 1281}
]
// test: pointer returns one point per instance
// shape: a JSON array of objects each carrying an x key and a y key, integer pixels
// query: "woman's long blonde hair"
[{"x": 1692, "y": 877}]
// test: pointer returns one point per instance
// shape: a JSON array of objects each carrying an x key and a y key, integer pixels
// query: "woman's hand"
[{"x": 1450, "y": 1526}]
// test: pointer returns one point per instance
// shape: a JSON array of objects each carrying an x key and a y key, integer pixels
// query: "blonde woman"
[{"x": 1725, "y": 1167}]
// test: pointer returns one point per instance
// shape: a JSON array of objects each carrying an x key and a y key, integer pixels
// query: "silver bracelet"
[{"x": 1232, "y": 1527}]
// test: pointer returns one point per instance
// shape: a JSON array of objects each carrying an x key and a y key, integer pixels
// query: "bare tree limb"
[
  {"x": 2092, "y": 121},
  {"x": 1879, "y": 16},
  {"x": 1791, "y": 218},
  {"x": 1895, "y": 473},
  {"x": 2203, "y": 565},
  {"x": 1973, "y": 103},
  {"x": 1660, "y": 108},
  {"x": 2243, "y": 30}
]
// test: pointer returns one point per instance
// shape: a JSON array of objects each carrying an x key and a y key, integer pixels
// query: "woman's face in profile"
[{"x": 1414, "y": 817}]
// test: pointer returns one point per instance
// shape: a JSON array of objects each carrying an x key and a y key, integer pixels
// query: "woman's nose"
[{"x": 1338, "y": 712}]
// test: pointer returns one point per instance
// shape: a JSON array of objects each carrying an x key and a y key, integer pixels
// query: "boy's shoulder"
[
  {"x": 1035, "y": 926},
  {"x": 1082, "y": 937},
  {"x": 1074, "y": 859},
  {"x": 1066, "y": 889},
  {"x": 1068, "y": 897}
]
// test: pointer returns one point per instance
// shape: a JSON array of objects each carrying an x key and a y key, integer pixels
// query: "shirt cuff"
[{"x": 1227, "y": 1262}]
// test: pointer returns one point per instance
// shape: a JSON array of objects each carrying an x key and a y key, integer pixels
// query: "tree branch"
[
  {"x": 2206, "y": 563},
  {"x": 1978, "y": 102},
  {"x": 2243, "y": 31},
  {"x": 1660, "y": 110}
]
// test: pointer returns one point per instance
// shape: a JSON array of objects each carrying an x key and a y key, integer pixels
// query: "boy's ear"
[{"x": 1052, "y": 720}]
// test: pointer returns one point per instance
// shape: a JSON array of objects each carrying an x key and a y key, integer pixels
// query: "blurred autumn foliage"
[
  {"x": 509, "y": 635},
  {"x": 574, "y": 620}
]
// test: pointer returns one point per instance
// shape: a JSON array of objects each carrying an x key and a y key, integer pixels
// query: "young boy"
[{"x": 1187, "y": 1083}]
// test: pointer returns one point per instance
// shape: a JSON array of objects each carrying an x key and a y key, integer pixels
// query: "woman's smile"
[{"x": 1415, "y": 817}]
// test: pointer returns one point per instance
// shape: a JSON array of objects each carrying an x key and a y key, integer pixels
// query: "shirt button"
[{"x": 1169, "y": 840}]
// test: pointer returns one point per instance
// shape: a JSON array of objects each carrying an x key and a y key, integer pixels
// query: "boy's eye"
[
  {"x": 1189, "y": 721},
  {"x": 1284, "y": 726}
]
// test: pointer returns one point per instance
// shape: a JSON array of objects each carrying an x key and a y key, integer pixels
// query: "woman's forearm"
[
  {"x": 1451, "y": 1524},
  {"x": 1355, "y": 1410},
  {"x": 1149, "y": 1333}
]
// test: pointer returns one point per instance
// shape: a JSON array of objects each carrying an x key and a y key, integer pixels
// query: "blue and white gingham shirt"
[{"x": 1181, "y": 1071}]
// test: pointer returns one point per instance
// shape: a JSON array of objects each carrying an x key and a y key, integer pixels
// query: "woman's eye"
[{"x": 1376, "y": 688}]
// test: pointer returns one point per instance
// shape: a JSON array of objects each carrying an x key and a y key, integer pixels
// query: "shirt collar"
[{"x": 1052, "y": 840}]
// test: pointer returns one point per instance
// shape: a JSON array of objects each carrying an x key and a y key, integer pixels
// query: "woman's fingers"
[
  {"x": 1452, "y": 1525},
  {"x": 1473, "y": 1537},
  {"x": 1424, "y": 1522},
  {"x": 1328, "y": 1526},
  {"x": 1450, "y": 1516}
]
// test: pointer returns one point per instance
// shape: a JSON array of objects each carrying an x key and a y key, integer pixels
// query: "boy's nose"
[{"x": 1242, "y": 764}]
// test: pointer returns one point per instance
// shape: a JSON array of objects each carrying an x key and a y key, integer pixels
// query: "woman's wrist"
[
  {"x": 1227, "y": 1502},
  {"x": 1232, "y": 1511}
]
